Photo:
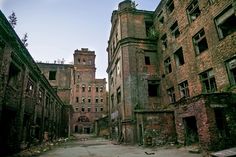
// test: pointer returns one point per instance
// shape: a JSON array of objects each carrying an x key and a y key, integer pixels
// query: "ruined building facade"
[
  {"x": 77, "y": 86},
  {"x": 30, "y": 110},
  {"x": 172, "y": 73}
]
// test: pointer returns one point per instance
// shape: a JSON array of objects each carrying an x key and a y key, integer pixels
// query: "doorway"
[
  {"x": 191, "y": 130},
  {"x": 76, "y": 128}
]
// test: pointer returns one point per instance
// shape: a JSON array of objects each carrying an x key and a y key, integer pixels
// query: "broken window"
[
  {"x": 89, "y": 109},
  {"x": 193, "y": 10},
  {"x": 231, "y": 67},
  {"x": 164, "y": 41},
  {"x": 183, "y": 88},
  {"x": 226, "y": 22},
  {"x": 118, "y": 95},
  {"x": 200, "y": 42},
  {"x": 77, "y": 99},
  {"x": 14, "y": 73},
  {"x": 175, "y": 29},
  {"x": 161, "y": 19},
  {"x": 147, "y": 60},
  {"x": 101, "y": 109},
  {"x": 82, "y": 109},
  {"x": 167, "y": 64},
  {"x": 179, "y": 58},
  {"x": 96, "y": 89},
  {"x": 112, "y": 100},
  {"x": 153, "y": 88},
  {"x": 83, "y": 100},
  {"x": 101, "y": 88},
  {"x": 208, "y": 81},
  {"x": 76, "y": 108},
  {"x": 171, "y": 94},
  {"x": 101, "y": 100},
  {"x": 96, "y": 100},
  {"x": 221, "y": 122},
  {"x": 83, "y": 88},
  {"x": 96, "y": 109},
  {"x": 89, "y": 99},
  {"x": 52, "y": 75},
  {"x": 170, "y": 6},
  {"x": 89, "y": 88},
  {"x": 40, "y": 96},
  {"x": 29, "y": 88},
  {"x": 148, "y": 26}
]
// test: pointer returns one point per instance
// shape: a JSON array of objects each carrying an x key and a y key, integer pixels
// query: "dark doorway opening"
[
  {"x": 191, "y": 131},
  {"x": 87, "y": 130},
  {"x": 221, "y": 122},
  {"x": 76, "y": 129}
]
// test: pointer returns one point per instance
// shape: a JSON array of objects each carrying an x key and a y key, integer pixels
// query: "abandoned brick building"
[
  {"x": 30, "y": 110},
  {"x": 77, "y": 86},
  {"x": 172, "y": 73}
]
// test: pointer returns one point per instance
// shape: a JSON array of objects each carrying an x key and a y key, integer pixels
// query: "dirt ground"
[{"x": 87, "y": 146}]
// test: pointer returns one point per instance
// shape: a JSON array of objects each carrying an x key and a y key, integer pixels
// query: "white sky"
[{"x": 56, "y": 28}]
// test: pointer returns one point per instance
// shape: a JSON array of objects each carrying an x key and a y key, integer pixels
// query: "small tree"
[
  {"x": 24, "y": 39},
  {"x": 13, "y": 19}
]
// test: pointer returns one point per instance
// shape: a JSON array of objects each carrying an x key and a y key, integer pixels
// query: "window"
[
  {"x": 101, "y": 109},
  {"x": 76, "y": 109},
  {"x": 101, "y": 88},
  {"x": 89, "y": 100},
  {"x": 52, "y": 75},
  {"x": 208, "y": 81},
  {"x": 179, "y": 58},
  {"x": 118, "y": 95},
  {"x": 101, "y": 100},
  {"x": 167, "y": 65},
  {"x": 83, "y": 100},
  {"x": 226, "y": 22},
  {"x": 175, "y": 29},
  {"x": 161, "y": 19},
  {"x": 183, "y": 88},
  {"x": 200, "y": 42},
  {"x": 231, "y": 67},
  {"x": 77, "y": 99},
  {"x": 89, "y": 88},
  {"x": 84, "y": 61},
  {"x": 147, "y": 60},
  {"x": 164, "y": 41},
  {"x": 171, "y": 94},
  {"x": 193, "y": 10},
  {"x": 83, "y": 88},
  {"x": 29, "y": 88},
  {"x": 170, "y": 6},
  {"x": 153, "y": 88},
  {"x": 96, "y": 89},
  {"x": 89, "y": 109},
  {"x": 40, "y": 96},
  {"x": 96, "y": 100},
  {"x": 148, "y": 25},
  {"x": 82, "y": 109},
  {"x": 96, "y": 109},
  {"x": 112, "y": 100}
]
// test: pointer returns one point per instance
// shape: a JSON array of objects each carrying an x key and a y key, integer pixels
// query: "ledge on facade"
[
  {"x": 222, "y": 98},
  {"x": 152, "y": 111}
]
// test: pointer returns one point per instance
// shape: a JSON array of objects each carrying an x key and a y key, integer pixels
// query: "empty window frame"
[
  {"x": 175, "y": 29},
  {"x": 118, "y": 91},
  {"x": 167, "y": 65},
  {"x": 147, "y": 60},
  {"x": 179, "y": 57},
  {"x": 89, "y": 88},
  {"x": 200, "y": 42},
  {"x": 171, "y": 94},
  {"x": 29, "y": 88},
  {"x": 82, "y": 109},
  {"x": 170, "y": 5},
  {"x": 97, "y": 89},
  {"x": 83, "y": 88},
  {"x": 101, "y": 99},
  {"x": 52, "y": 75},
  {"x": 164, "y": 41},
  {"x": 77, "y": 99},
  {"x": 208, "y": 82},
  {"x": 226, "y": 22},
  {"x": 83, "y": 100},
  {"x": 193, "y": 10},
  {"x": 183, "y": 88},
  {"x": 89, "y": 109},
  {"x": 89, "y": 99},
  {"x": 101, "y": 109},
  {"x": 153, "y": 88},
  {"x": 101, "y": 88},
  {"x": 148, "y": 26},
  {"x": 112, "y": 100},
  {"x": 231, "y": 67},
  {"x": 96, "y": 100}
]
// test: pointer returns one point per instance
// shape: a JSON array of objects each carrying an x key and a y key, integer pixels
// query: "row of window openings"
[
  {"x": 225, "y": 24},
  {"x": 208, "y": 86},
  {"x": 90, "y": 89},
  {"x": 84, "y": 61},
  {"x": 89, "y": 109},
  {"x": 89, "y": 100}
]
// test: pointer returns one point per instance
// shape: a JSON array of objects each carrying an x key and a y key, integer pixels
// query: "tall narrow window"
[
  {"x": 97, "y": 89},
  {"x": 231, "y": 67},
  {"x": 171, "y": 94},
  {"x": 83, "y": 88},
  {"x": 89, "y": 88},
  {"x": 167, "y": 64},
  {"x": 153, "y": 88},
  {"x": 170, "y": 5},
  {"x": 208, "y": 81},
  {"x": 77, "y": 99},
  {"x": 183, "y": 88},
  {"x": 89, "y": 99},
  {"x": 148, "y": 25},
  {"x": 179, "y": 57},
  {"x": 164, "y": 41},
  {"x": 226, "y": 22},
  {"x": 147, "y": 60},
  {"x": 118, "y": 91},
  {"x": 112, "y": 100},
  {"x": 193, "y": 10},
  {"x": 175, "y": 29},
  {"x": 101, "y": 88},
  {"x": 200, "y": 42},
  {"x": 52, "y": 75},
  {"x": 83, "y": 100}
]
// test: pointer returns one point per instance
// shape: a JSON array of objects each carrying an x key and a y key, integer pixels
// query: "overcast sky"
[{"x": 56, "y": 28}]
